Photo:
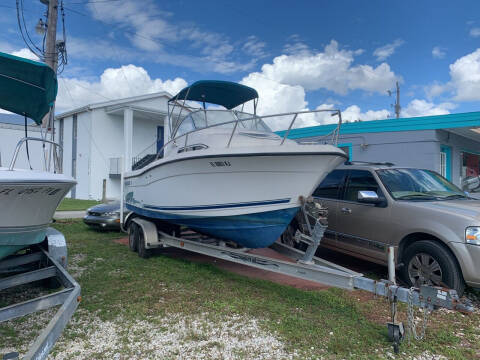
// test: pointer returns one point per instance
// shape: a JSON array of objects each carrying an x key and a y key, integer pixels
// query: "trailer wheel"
[
  {"x": 142, "y": 251},
  {"x": 133, "y": 236}
]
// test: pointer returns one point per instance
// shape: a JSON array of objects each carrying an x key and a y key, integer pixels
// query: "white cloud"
[
  {"x": 276, "y": 98},
  {"x": 387, "y": 50},
  {"x": 435, "y": 89},
  {"x": 349, "y": 114},
  {"x": 114, "y": 83},
  {"x": 353, "y": 113},
  {"x": 331, "y": 69},
  {"x": 438, "y": 52},
  {"x": 465, "y": 77},
  {"x": 93, "y": 49},
  {"x": 475, "y": 32},
  {"x": 282, "y": 98},
  {"x": 25, "y": 53},
  {"x": 253, "y": 46},
  {"x": 422, "y": 107},
  {"x": 150, "y": 29}
]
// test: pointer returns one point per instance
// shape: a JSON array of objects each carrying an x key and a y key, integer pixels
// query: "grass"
[
  {"x": 68, "y": 204},
  {"x": 331, "y": 324}
]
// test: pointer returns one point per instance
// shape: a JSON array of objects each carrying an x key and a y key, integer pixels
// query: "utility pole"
[
  {"x": 397, "y": 102},
  {"x": 51, "y": 56}
]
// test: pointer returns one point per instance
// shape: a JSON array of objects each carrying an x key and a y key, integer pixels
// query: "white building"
[{"x": 98, "y": 139}]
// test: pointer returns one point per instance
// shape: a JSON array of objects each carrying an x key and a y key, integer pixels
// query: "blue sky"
[{"x": 300, "y": 55}]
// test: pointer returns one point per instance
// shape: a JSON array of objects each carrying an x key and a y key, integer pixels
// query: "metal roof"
[
  {"x": 123, "y": 101},
  {"x": 450, "y": 121}
]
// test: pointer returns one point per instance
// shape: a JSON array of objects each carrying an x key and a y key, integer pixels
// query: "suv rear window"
[{"x": 330, "y": 188}]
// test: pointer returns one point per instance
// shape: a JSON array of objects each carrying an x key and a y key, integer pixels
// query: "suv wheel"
[{"x": 429, "y": 263}]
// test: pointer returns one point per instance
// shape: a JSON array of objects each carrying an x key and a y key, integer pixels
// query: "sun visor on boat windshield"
[
  {"x": 26, "y": 87},
  {"x": 225, "y": 93}
]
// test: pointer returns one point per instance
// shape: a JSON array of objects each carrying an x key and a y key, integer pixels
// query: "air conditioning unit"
[{"x": 116, "y": 166}]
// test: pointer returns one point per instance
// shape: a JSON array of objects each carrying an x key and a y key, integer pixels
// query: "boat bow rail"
[
  {"x": 330, "y": 138},
  {"x": 56, "y": 147}
]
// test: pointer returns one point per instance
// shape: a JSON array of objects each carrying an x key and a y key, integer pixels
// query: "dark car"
[{"x": 104, "y": 216}]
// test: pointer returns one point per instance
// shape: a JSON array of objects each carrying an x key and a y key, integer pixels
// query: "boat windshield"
[
  {"x": 205, "y": 118},
  {"x": 418, "y": 184}
]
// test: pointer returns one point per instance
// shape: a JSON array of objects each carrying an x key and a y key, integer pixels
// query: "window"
[
  {"x": 470, "y": 172},
  {"x": 330, "y": 188},
  {"x": 361, "y": 180},
  {"x": 418, "y": 184}
]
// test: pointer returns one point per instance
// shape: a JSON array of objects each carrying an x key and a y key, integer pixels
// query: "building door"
[{"x": 160, "y": 140}]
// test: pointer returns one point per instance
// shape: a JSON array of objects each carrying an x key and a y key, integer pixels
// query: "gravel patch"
[
  {"x": 176, "y": 336},
  {"x": 73, "y": 268}
]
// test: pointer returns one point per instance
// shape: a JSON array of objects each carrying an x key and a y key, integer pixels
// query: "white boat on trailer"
[
  {"x": 224, "y": 173},
  {"x": 28, "y": 200},
  {"x": 28, "y": 197}
]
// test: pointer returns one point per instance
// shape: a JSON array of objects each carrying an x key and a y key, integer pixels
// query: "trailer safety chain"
[{"x": 411, "y": 324}]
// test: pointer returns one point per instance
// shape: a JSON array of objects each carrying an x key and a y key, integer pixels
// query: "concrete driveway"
[{"x": 69, "y": 214}]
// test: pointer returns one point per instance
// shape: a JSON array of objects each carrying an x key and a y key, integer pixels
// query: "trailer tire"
[
  {"x": 142, "y": 251},
  {"x": 133, "y": 236},
  {"x": 427, "y": 257}
]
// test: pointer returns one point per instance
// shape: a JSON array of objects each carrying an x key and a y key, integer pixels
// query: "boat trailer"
[
  {"x": 145, "y": 235},
  {"x": 47, "y": 265}
]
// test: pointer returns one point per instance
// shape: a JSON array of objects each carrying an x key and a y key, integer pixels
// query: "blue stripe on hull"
[
  {"x": 219, "y": 206},
  {"x": 256, "y": 230}
]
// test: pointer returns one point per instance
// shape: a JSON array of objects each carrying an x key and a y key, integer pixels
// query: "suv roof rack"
[{"x": 369, "y": 163}]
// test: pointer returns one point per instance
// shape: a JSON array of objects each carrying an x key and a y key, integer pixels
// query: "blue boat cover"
[
  {"x": 27, "y": 87},
  {"x": 225, "y": 93}
]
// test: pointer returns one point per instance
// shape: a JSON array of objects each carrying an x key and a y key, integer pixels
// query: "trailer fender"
[
  {"x": 57, "y": 246},
  {"x": 150, "y": 234}
]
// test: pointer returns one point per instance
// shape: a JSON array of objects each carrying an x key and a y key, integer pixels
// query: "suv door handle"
[{"x": 346, "y": 210}]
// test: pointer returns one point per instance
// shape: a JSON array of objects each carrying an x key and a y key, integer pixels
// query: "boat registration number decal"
[
  {"x": 27, "y": 191},
  {"x": 220, "y": 163}
]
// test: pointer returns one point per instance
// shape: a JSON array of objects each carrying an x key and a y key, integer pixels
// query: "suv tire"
[{"x": 426, "y": 261}]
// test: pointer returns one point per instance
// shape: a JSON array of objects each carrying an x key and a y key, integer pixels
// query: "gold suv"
[{"x": 434, "y": 225}]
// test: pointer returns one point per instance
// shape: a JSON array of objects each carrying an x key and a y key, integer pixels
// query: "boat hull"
[
  {"x": 255, "y": 230},
  {"x": 29, "y": 200},
  {"x": 246, "y": 198}
]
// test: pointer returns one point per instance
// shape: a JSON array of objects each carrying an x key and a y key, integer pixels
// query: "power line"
[
  {"x": 75, "y": 11},
  {"x": 91, "y": 2}
]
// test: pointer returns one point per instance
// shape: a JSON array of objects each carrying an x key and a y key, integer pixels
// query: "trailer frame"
[
  {"x": 41, "y": 264},
  {"x": 146, "y": 234}
]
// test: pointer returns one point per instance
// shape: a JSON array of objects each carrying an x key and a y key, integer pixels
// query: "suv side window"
[
  {"x": 360, "y": 180},
  {"x": 330, "y": 187}
]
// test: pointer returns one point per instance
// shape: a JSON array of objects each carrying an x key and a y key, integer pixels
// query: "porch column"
[{"x": 128, "y": 137}]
